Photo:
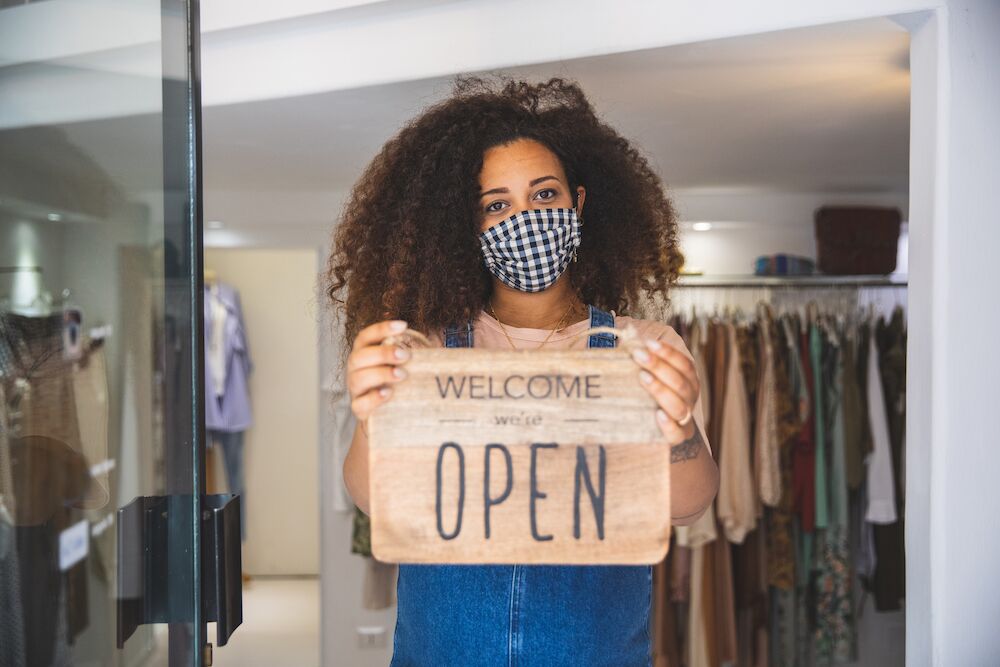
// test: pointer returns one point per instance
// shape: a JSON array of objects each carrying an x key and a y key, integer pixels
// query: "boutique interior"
[{"x": 800, "y": 560}]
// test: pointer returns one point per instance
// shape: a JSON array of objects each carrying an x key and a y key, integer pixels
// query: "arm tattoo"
[{"x": 688, "y": 449}]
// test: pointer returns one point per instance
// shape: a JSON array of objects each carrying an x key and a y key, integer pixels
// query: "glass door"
[{"x": 103, "y": 521}]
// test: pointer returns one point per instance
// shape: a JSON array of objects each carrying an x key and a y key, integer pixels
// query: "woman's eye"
[
  {"x": 547, "y": 193},
  {"x": 494, "y": 207}
]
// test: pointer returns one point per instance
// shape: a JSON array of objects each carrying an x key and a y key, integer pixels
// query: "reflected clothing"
[
  {"x": 470, "y": 615},
  {"x": 45, "y": 482}
]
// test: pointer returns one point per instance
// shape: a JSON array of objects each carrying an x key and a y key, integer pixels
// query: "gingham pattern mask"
[{"x": 529, "y": 250}]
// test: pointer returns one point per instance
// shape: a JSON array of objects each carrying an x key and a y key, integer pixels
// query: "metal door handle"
[{"x": 145, "y": 556}]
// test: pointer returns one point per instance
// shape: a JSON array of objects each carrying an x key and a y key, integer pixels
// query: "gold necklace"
[{"x": 507, "y": 336}]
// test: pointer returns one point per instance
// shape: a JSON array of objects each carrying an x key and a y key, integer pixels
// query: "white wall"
[
  {"x": 277, "y": 291},
  {"x": 952, "y": 463}
]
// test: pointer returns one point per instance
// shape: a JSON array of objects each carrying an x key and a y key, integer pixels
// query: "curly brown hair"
[{"x": 407, "y": 244}]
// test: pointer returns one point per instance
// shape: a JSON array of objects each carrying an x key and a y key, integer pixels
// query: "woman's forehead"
[{"x": 520, "y": 160}]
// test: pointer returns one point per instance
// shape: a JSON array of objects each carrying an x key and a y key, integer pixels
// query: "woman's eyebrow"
[{"x": 531, "y": 184}]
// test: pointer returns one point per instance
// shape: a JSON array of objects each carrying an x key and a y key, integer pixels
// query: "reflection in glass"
[{"x": 95, "y": 330}]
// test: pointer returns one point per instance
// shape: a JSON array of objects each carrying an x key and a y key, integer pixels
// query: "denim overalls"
[{"x": 523, "y": 615}]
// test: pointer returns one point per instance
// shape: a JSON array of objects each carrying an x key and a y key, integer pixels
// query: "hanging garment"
[
  {"x": 803, "y": 453},
  {"x": 881, "y": 486},
  {"x": 861, "y": 538},
  {"x": 751, "y": 598},
  {"x": 227, "y": 399},
  {"x": 740, "y": 506},
  {"x": 233, "y": 456},
  {"x": 680, "y": 573},
  {"x": 854, "y": 415},
  {"x": 717, "y": 571},
  {"x": 700, "y": 646},
  {"x": 835, "y": 635},
  {"x": 699, "y": 332},
  {"x": 338, "y": 432},
  {"x": 737, "y": 503},
  {"x": 665, "y": 641},
  {"x": 216, "y": 357},
  {"x": 378, "y": 576},
  {"x": 781, "y": 553},
  {"x": 747, "y": 334},
  {"x": 672, "y": 577},
  {"x": 819, "y": 414},
  {"x": 361, "y": 535},
  {"x": 862, "y": 350},
  {"x": 703, "y": 530},
  {"x": 766, "y": 463},
  {"x": 889, "y": 580},
  {"x": 781, "y": 550},
  {"x": 749, "y": 557},
  {"x": 805, "y": 526},
  {"x": 377, "y": 590},
  {"x": 806, "y": 452},
  {"x": 699, "y": 536}
]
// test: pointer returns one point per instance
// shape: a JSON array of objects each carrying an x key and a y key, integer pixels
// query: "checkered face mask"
[{"x": 529, "y": 250}]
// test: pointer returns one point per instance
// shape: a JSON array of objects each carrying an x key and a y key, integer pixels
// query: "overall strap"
[
  {"x": 458, "y": 335},
  {"x": 599, "y": 318}
]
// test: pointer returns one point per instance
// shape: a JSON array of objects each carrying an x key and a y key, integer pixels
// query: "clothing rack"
[{"x": 846, "y": 294}]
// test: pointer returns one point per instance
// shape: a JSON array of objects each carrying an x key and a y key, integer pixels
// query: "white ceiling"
[{"x": 823, "y": 109}]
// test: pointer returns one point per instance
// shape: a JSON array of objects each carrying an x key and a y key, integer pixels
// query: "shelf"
[{"x": 812, "y": 281}]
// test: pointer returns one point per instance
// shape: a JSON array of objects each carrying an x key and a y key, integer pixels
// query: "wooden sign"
[{"x": 486, "y": 456}]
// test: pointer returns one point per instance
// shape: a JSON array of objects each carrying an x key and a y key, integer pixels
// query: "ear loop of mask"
[{"x": 579, "y": 216}]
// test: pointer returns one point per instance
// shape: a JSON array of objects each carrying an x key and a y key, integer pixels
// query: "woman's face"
[{"x": 522, "y": 175}]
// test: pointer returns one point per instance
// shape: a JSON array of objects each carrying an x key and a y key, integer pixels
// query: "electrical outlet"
[{"x": 371, "y": 636}]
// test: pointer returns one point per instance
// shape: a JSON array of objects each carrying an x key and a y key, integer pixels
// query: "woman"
[{"x": 510, "y": 216}]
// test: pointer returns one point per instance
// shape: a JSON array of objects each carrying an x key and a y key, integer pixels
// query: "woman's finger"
[
  {"x": 363, "y": 405},
  {"x": 673, "y": 356},
  {"x": 366, "y": 379},
  {"x": 673, "y": 404},
  {"x": 677, "y": 359},
  {"x": 374, "y": 334},
  {"x": 672, "y": 430},
  {"x": 668, "y": 374},
  {"x": 376, "y": 355}
]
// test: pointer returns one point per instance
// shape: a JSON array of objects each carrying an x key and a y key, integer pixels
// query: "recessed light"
[
  {"x": 215, "y": 224},
  {"x": 54, "y": 217},
  {"x": 701, "y": 226}
]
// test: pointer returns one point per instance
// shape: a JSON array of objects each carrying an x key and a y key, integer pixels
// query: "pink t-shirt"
[{"x": 487, "y": 334}]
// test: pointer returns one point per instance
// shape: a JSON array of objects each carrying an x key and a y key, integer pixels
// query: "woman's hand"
[
  {"x": 372, "y": 368},
  {"x": 671, "y": 379},
  {"x": 669, "y": 376}
]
